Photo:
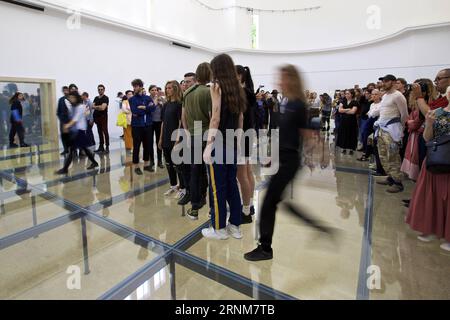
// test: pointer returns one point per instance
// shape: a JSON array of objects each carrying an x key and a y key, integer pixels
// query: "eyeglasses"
[{"x": 440, "y": 78}]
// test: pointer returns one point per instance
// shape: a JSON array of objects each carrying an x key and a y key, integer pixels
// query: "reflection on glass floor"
[{"x": 129, "y": 241}]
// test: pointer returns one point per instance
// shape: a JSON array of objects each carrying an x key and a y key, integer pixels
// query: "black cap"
[{"x": 388, "y": 77}]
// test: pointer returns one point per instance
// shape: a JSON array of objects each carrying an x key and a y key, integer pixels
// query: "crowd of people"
[
  {"x": 20, "y": 116},
  {"x": 395, "y": 124},
  {"x": 391, "y": 122}
]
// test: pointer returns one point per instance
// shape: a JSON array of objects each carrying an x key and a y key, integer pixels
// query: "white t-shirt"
[
  {"x": 374, "y": 111},
  {"x": 79, "y": 117},
  {"x": 393, "y": 106}
]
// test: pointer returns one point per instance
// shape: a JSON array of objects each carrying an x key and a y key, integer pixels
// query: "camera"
[{"x": 423, "y": 87}]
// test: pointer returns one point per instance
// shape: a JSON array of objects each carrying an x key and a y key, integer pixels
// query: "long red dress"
[
  {"x": 411, "y": 162},
  {"x": 429, "y": 211}
]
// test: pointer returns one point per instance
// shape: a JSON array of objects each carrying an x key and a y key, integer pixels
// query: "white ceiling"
[{"x": 337, "y": 24}]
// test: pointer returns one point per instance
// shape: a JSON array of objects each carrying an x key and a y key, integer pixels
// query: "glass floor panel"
[
  {"x": 188, "y": 285},
  {"x": 156, "y": 215},
  {"x": 23, "y": 212},
  {"x": 104, "y": 186},
  {"x": 319, "y": 267},
  {"x": 41, "y": 268}
]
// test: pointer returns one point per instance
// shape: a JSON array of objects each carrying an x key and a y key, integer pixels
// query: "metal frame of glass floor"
[{"x": 166, "y": 255}]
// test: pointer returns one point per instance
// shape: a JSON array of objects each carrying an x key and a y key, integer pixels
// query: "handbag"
[
  {"x": 438, "y": 155},
  {"x": 122, "y": 120}
]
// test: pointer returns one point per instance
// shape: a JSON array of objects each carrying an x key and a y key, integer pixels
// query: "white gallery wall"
[
  {"x": 39, "y": 45},
  {"x": 336, "y": 24},
  {"x": 412, "y": 55}
]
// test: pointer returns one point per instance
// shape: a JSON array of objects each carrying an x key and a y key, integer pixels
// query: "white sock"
[{"x": 246, "y": 210}]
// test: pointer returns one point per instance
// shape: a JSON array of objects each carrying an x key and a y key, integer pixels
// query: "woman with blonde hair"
[
  {"x": 294, "y": 125},
  {"x": 413, "y": 160},
  {"x": 128, "y": 132},
  {"x": 171, "y": 121}
]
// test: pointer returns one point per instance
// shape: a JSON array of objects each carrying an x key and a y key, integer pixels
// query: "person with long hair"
[
  {"x": 17, "y": 121},
  {"x": 156, "y": 126},
  {"x": 294, "y": 127},
  {"x": 228, "y": 106},
  {"x": 77, "y": 128},
  {"x": 347, "y": 138},
  {"x": 171, "y": 121},
  {"x": 415, "y": 125},
  {"x": 128, "y": 132},
  {"x": 245, "y": 172},
  {"x": 325, "y": 109},
  {"x": 429, "y": 211}
]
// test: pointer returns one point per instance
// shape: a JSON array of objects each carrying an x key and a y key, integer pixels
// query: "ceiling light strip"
[{"x": 250, "y": 9}]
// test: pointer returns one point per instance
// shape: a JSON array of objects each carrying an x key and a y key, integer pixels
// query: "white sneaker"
[
  {"x": 428, "y": 238},
  {"x": 210, "y": 233},
  {"x": 234, "y": 231},
  {"x": 170, "y": 191},
  {"x": 181, "y": 194},
  {"x": 445, "y": 246}
]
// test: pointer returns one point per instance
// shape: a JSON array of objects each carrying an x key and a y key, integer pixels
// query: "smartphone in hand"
[{"x": 439, "y": 112}]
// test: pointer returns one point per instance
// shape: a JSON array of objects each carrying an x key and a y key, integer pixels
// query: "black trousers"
[
  {"x": 171, "y": 168},
  {"x": 102, "y": 129},
  {"x": 141, "y": 135},
  {"x": 17, "y": 128},
  {"x": 72, "y": 148},
  {"x": 155, "y": 134},
  {"x": 198, "y": 178},
  {"x": 289, "y": 165}
]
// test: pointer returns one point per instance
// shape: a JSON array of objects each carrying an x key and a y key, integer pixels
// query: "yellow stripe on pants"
[{"x": 216, "y": 203}]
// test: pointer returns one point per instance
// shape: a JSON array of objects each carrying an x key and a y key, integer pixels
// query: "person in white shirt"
[
  {"x": 390, "y": 130},
  {"x": 367, "y": 130},
  {"x": 77, "y": 128}
]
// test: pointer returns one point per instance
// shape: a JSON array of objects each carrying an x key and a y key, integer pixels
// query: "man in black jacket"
[{"x": 64, "y": 118}]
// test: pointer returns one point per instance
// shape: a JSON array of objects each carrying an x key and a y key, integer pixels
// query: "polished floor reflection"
[{"x": 110, "y": 234}]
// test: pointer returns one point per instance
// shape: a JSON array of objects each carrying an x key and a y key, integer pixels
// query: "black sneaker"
[
  {"x": 107, "y": 150},
  {"x": 24, "y": 145},
  {"x": 192, "y": 214},
  {"x": 246, "y": 219},
  {"x": 185, "y": 200},
  {"x": 138, "y": 171},
  {"x": 161, "y": 166},
  {"x": 149, "y": 169},
  {"x": 99, "y": 150},
  {"x": 62, "y": 171},
  {"x": 13, "y": 145},
  {"x": 259, "y": 254},
  {"x": 21, "y": 192},
  {"x": 252, "y": 210},
  {"x": 351, "y": 152},
  {"x": 93, "y": 166}
]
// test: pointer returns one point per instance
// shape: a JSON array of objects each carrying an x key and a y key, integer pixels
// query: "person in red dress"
[
  {"x": 430, "y": 205},
  {"x": 413, "y": 158}
]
